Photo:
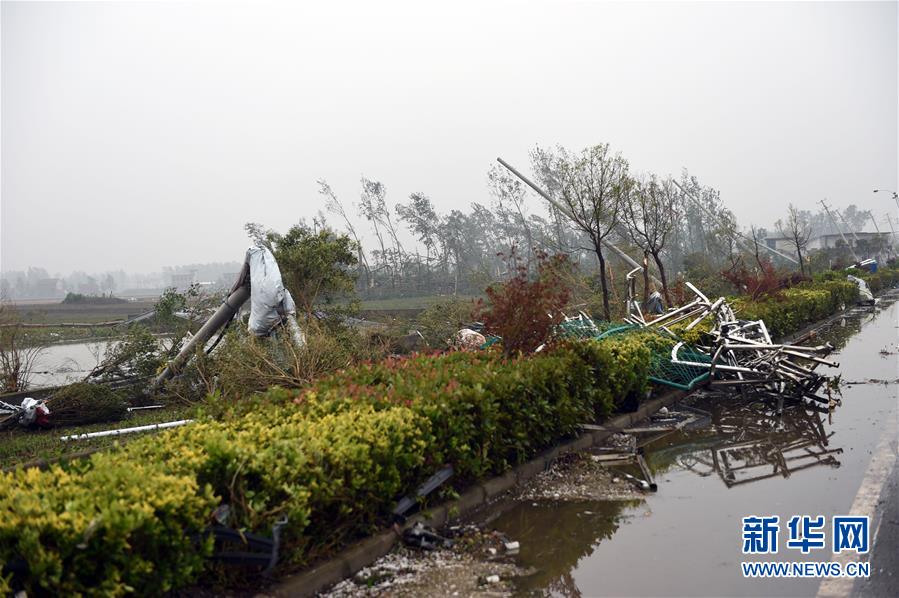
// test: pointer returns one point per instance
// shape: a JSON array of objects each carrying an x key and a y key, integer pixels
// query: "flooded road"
[{"x": 746, "y": 458}]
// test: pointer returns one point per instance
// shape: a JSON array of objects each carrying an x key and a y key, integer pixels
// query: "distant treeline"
[{"x": 79, "y": 299}]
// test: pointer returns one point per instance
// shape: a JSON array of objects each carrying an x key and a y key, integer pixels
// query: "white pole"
[
  {"x": 839, "y": 230},
  {"x": 120, "y": 431},
  {"x": 736, "y": 234},
  {"x": 625, "y": 257}
]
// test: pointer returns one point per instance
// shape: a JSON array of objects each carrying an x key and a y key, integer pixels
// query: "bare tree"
[
  {"x": 650, "y": 213},
  {"x": 798, "y": 230},
  {"x": 373, "y": 206},
  {"x": 590, "y": 185},
  {"x": 18, "y": 356},
  {"x": 335, "y": 206}
]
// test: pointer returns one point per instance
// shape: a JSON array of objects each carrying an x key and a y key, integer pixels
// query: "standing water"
[
  {"x": 62, "y": 363},
  {"x": 748, "y": 459}
]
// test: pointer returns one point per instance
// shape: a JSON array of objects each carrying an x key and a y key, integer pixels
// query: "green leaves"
[{"x": 334, "y": 459}]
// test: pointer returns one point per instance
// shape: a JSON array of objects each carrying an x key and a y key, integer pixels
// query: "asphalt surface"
[{"x": 884, "y": 580}]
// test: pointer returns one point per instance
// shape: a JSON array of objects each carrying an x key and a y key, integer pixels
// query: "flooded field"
[
  {"x": 746, "y": 457},
  {"x": 62, "y": 363}
]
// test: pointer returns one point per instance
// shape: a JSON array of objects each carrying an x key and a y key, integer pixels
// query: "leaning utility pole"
[
  {"x": 839, "y": 230},
  {"x": 851, "y": 232},
  {"x": 630, "y": 261},
  {"x": 890, "y": 222},
  {"x": 871, "y": 214},
  {"x": 736, "y": 234}
]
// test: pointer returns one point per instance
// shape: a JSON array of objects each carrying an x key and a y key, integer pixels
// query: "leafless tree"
[
  {"x": 373, "y": 206},
  {"x": 590, "y": 186},
  {"x": 650, "y": 213},
  {"x": 798, "y": 230},
  {"x": 18, "y": 355},
  {"x": 335, "y": 206}
]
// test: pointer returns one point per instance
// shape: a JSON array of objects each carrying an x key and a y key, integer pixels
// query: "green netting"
[{"x": 661, "y": 370}]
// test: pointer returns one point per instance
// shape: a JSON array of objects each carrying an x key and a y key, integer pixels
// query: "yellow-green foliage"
[
  {"x": 621, "y": 368},
  {"x": 798, "y": 306},
  {"x": 124, "y": 520},
  {"x": 333, "y": 459},
  {"x": 105, "y": 528}
]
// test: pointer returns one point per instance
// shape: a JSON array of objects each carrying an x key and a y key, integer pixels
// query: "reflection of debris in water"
[
  {"x": 757, "y": 439},
  {"x": 869, "y": 381}
]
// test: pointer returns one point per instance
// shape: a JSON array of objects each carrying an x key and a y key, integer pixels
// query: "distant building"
[
  {"x": 865, "y": 240},
  {"x": 183, "y": 281},
  {"x": 780, "y": 244}
]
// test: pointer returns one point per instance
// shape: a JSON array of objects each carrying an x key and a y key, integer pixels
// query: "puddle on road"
[{"x": 747, "y": 458}]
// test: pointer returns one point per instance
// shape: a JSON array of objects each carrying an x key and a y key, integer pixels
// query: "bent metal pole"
[
  {"x": 568, "y": 213},
  {"x": 221, "y": 317},
  {"x": 737, "y": 235}
]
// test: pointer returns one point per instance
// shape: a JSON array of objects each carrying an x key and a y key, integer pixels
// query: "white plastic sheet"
[
  {"x": 863, "y": 291},
  {"x": 268, "y": 297}
]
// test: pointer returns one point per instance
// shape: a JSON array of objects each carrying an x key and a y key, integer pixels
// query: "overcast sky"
[{"x": 138, "y": 135}]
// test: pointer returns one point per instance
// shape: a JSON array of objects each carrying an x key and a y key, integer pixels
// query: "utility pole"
[
  {"x": 871, "y": 214},
  {"x": 736, "y": 234},
  {"x": 890, "y": 222},
  {"x": 630, "y": 261},
  {"x": 839, "y": 230},
  {"x": 851, "y": 232}
]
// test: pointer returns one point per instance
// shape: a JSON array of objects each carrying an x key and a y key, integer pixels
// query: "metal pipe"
[
  {"x": 698, "y": 292},
  {"x": 221, "y": 317},
  {"x": 121, "y": 431},
  {"x": 735, "y": 232},
  {"x": 839, "y": 230},
  {"x": 570, "y": 215}
]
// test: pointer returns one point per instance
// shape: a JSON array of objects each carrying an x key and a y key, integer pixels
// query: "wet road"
[{"x": 748, "y": 459}]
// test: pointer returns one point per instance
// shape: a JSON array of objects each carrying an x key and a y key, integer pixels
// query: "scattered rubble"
[
  {"x": 578, "y": 478},
  {"x": 476, "y": 565}
]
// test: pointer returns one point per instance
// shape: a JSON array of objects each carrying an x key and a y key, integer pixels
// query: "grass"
[
  {"x": 20, "y": 445},
  {"x": 408, "y": 302},
  {"x": 56, "y": 313}
]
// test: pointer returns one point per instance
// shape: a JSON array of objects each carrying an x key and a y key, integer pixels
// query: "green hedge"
[
  {"x": 333, "y": 459},
  {"x": 798, "y": 306},
  {"x": 812, "y": 301}
]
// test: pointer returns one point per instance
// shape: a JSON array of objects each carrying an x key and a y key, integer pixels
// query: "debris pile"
[{"x": 740, "y": 352}]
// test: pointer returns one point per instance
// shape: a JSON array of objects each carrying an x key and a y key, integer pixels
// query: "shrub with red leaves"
[
  {"x": 762, "y": 282},
  {"x": 523, "y": 310}
]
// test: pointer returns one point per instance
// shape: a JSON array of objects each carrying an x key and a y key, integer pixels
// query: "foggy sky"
[{"x": 138, "y": 135}]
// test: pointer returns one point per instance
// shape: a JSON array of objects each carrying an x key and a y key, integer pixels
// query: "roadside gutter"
[{"x": 363, "y": 553}]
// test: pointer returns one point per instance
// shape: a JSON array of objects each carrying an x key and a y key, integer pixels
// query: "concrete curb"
[{"x": 363, "y": 553}]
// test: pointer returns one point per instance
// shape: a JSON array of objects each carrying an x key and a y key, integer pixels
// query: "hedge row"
[
  {"x": 809, "y": 302},
  {"x": 798, "y": 306},
  {"x": 333, "y": 459}
]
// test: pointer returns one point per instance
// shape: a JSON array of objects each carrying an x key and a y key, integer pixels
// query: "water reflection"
[
  {"x": 739, "y": 442},
  {"x": 752, "y": 440},
  {"x": 559, "y": 533}
]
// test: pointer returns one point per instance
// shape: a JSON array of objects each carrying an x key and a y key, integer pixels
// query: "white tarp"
[
  {"x": 268, "y": 297},
  {"x": 864, "y": 292}
]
